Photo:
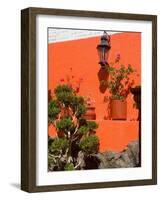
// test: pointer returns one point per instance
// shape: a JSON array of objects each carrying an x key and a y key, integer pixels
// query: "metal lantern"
[{"x": 103, "y": 49}]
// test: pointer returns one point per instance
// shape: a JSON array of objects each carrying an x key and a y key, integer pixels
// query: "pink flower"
[
  {"x": 77, "y": 89},
  {"x": 61, "y": 80},
  {"x": 118, "y": 57},
  {"x": 123, "y": 92}
]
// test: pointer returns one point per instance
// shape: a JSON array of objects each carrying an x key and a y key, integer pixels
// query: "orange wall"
[{"x": 81, "y": 56}]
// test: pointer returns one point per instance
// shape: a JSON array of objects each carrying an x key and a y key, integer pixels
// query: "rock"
[
  {"x": 129, "y": 157},
  {"x": 103, "y": 161},
  {"x": 134, "y": 148},
  {"x": 80, "y": 160},
  {"x": 110, "y": 155}
]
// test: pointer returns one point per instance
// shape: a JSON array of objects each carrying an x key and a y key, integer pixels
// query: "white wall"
[
  {"x": 10, "y": 97},
  {"x": 59, "y": 35}
]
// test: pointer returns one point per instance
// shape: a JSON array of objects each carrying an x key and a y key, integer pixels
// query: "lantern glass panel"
[
  {"x": 99, "y": 53},
  {"x": 104, "y": 54}
]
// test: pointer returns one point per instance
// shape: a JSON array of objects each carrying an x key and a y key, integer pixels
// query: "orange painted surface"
[
  {"x": 81, "y": 56},
  {"x": 115, "y": 135}
]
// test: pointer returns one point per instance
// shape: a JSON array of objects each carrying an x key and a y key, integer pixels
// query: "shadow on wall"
[{"x": 102, "y": 76}]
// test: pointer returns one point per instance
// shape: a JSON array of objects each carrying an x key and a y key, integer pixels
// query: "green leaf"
[
  {"x": 81, "y": 109},
  {"x": 92, "y": 125},
  {"x": 53, "y": 110},
  {"x": 64, "y": 124},
  {"x": 58, "y": 145},
  {"x": 63, "y": 88},
  {"x": 69, "y": 167},
  {"x": 89, "y": 144},
  {"x": 78, "y": 104},
  {"x": 65, "y": 98},
  {"x": 83, "y": 130}
]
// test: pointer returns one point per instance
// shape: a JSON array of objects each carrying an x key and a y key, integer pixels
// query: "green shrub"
[
  {"x": 73, "y": 131},
  {"x": 119, "y": 81},
  {"x": 81, "y": 109},
  {"x": 63, "y": 88},
  {"x": 64, "y": 124},
  {"x": 58, "y": 145},
  {"x": 53, "y": 110},
  {"x": 92, "y": 125},
  {"x": 64, "y": 98},
  {"x": 83, "y": 130},
  {"x": 77, "y": 100},
  {"x": 89, "y": 144},
  {"x": 69, "y": 167}
]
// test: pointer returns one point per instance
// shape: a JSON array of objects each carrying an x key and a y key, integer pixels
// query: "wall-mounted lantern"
[{"x": 103, "y": 49}]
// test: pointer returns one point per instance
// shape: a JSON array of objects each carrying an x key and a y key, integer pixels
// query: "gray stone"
[{"x": 129, "y": 157}]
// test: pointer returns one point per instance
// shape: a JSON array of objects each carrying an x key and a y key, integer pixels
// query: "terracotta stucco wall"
[{"x": 81, "y": 56}]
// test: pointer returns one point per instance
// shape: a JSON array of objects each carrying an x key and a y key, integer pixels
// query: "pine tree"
[{"x": 75, "y": 140}]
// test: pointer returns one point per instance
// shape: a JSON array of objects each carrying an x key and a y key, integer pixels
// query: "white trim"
[{"x": 61, "y": 35}]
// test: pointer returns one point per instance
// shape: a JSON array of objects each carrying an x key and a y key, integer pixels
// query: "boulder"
[{"x": 129, "y": 157}]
